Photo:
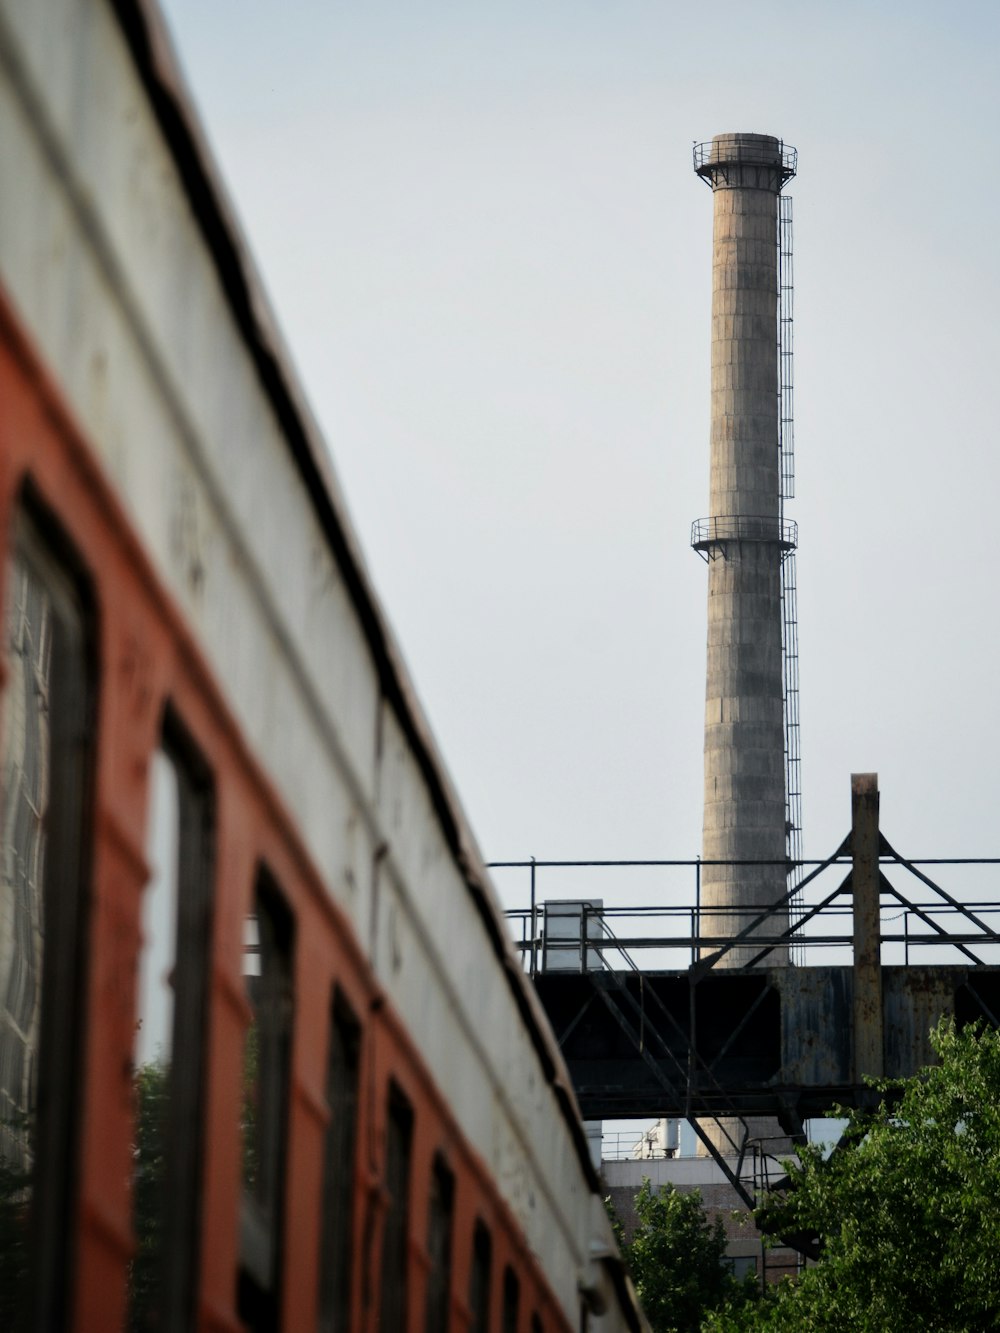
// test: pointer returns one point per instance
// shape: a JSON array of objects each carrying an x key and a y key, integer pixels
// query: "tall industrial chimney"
[{"x": 745, "y": 542}]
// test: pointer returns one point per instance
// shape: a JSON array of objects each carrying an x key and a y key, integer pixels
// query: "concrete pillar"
[{"x": 744, "y": 812}]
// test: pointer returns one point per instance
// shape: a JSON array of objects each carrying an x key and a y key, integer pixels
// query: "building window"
[
  {"x": 479, "y": 1280},
  {"x": 741, "y": 1264},
  {"x": 45, "y": 778},
  {"x": 439, "y": 1228},
  {"x": 170, "y": 1039},
  {"x": 267, "y": 1057},
  {"x": 399, "y": 1137},
  {"x": 343, "y": 1068}
]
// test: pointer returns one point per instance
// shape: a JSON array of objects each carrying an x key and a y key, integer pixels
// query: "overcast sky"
[{"x": 489, "y": 254}]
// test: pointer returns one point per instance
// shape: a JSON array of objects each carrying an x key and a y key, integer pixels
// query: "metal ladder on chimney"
[{"x": 789, "y": 612}]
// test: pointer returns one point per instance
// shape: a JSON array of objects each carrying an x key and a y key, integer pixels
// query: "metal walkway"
[{"x": 885, "y": 952}]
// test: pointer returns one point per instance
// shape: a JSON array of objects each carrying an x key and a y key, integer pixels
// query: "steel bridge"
[{"x": 651, "y": 1021}]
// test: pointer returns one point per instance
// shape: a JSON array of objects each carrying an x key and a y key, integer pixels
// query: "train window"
[
  {"x": 439, "y": 1227},
  {"x": 511, "y": 1300},
  {"x": 170, "y": 1039},
  {"x": 266, "y": 1063},
  {"x": 45, "y": 754},
  {"x": 479, "y": 1280},
  {"x": 399, "y": 1136},
  {"x": 343, "y": 1068}
]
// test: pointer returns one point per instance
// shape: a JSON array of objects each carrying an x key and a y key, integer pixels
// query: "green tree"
[
  {"x": 152, "y": 1100},
  {"x": 676, "y": 1256},
  {"x": 907, "y": 1211}
]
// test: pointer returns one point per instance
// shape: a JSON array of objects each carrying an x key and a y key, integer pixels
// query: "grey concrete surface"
[{"x": 744, "y": 810}]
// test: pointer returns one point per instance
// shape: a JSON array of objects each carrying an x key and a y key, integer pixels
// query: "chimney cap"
[{"x": 754, "y": 161}]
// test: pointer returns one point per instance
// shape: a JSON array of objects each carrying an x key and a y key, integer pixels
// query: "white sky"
[{"x": 491, "y": 259}]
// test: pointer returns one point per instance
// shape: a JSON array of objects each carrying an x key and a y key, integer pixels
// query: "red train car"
[{"x": 267, "y": 1059}]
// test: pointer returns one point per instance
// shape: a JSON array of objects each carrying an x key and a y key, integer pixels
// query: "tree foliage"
[
  {"x": 152, "y": 1100},
  {"x": 907, "y": 1210},
  {"x": 676, "y": 1256}
]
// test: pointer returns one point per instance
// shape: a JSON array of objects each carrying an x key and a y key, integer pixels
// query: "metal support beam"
[
  {"x": 865, "y": 884},
  {"x": 669, "y": 1089}
]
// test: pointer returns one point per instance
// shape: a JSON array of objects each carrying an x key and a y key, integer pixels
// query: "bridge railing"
[{"x": 650, "y": 915}]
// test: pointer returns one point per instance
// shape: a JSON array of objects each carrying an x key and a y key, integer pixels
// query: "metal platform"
[
  {"x": 729, "y": 153},
  {"x": 711, "y": 536},
  {"x": 768, "y": 1041},
  {"x": 684, "y": 1037}
]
